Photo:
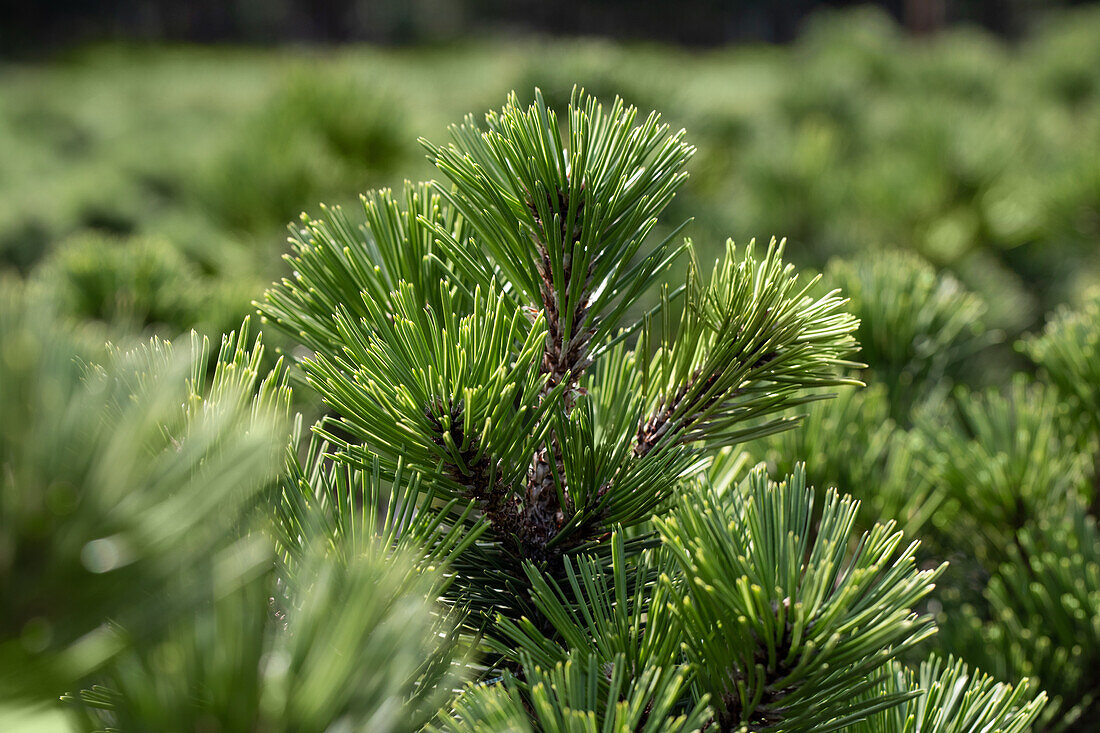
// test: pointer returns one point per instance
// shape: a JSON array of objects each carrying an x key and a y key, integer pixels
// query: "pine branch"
[
  {"x": 749, "y": 344},
  {"x": 562, "y": 220},
  {"x": 785, "y": 629},
  {"x": 950, "y": 698}
]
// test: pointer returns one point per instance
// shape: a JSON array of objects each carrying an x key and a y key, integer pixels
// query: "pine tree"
[
  {"x": 488, "y": 335},
  {"x": 527, "y": 484}
]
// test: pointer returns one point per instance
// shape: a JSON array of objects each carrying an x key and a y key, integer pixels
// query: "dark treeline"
[{"x": 42, "y": 27}]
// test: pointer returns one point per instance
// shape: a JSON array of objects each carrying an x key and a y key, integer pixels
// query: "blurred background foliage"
[{"x": 949, "y": 183}]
